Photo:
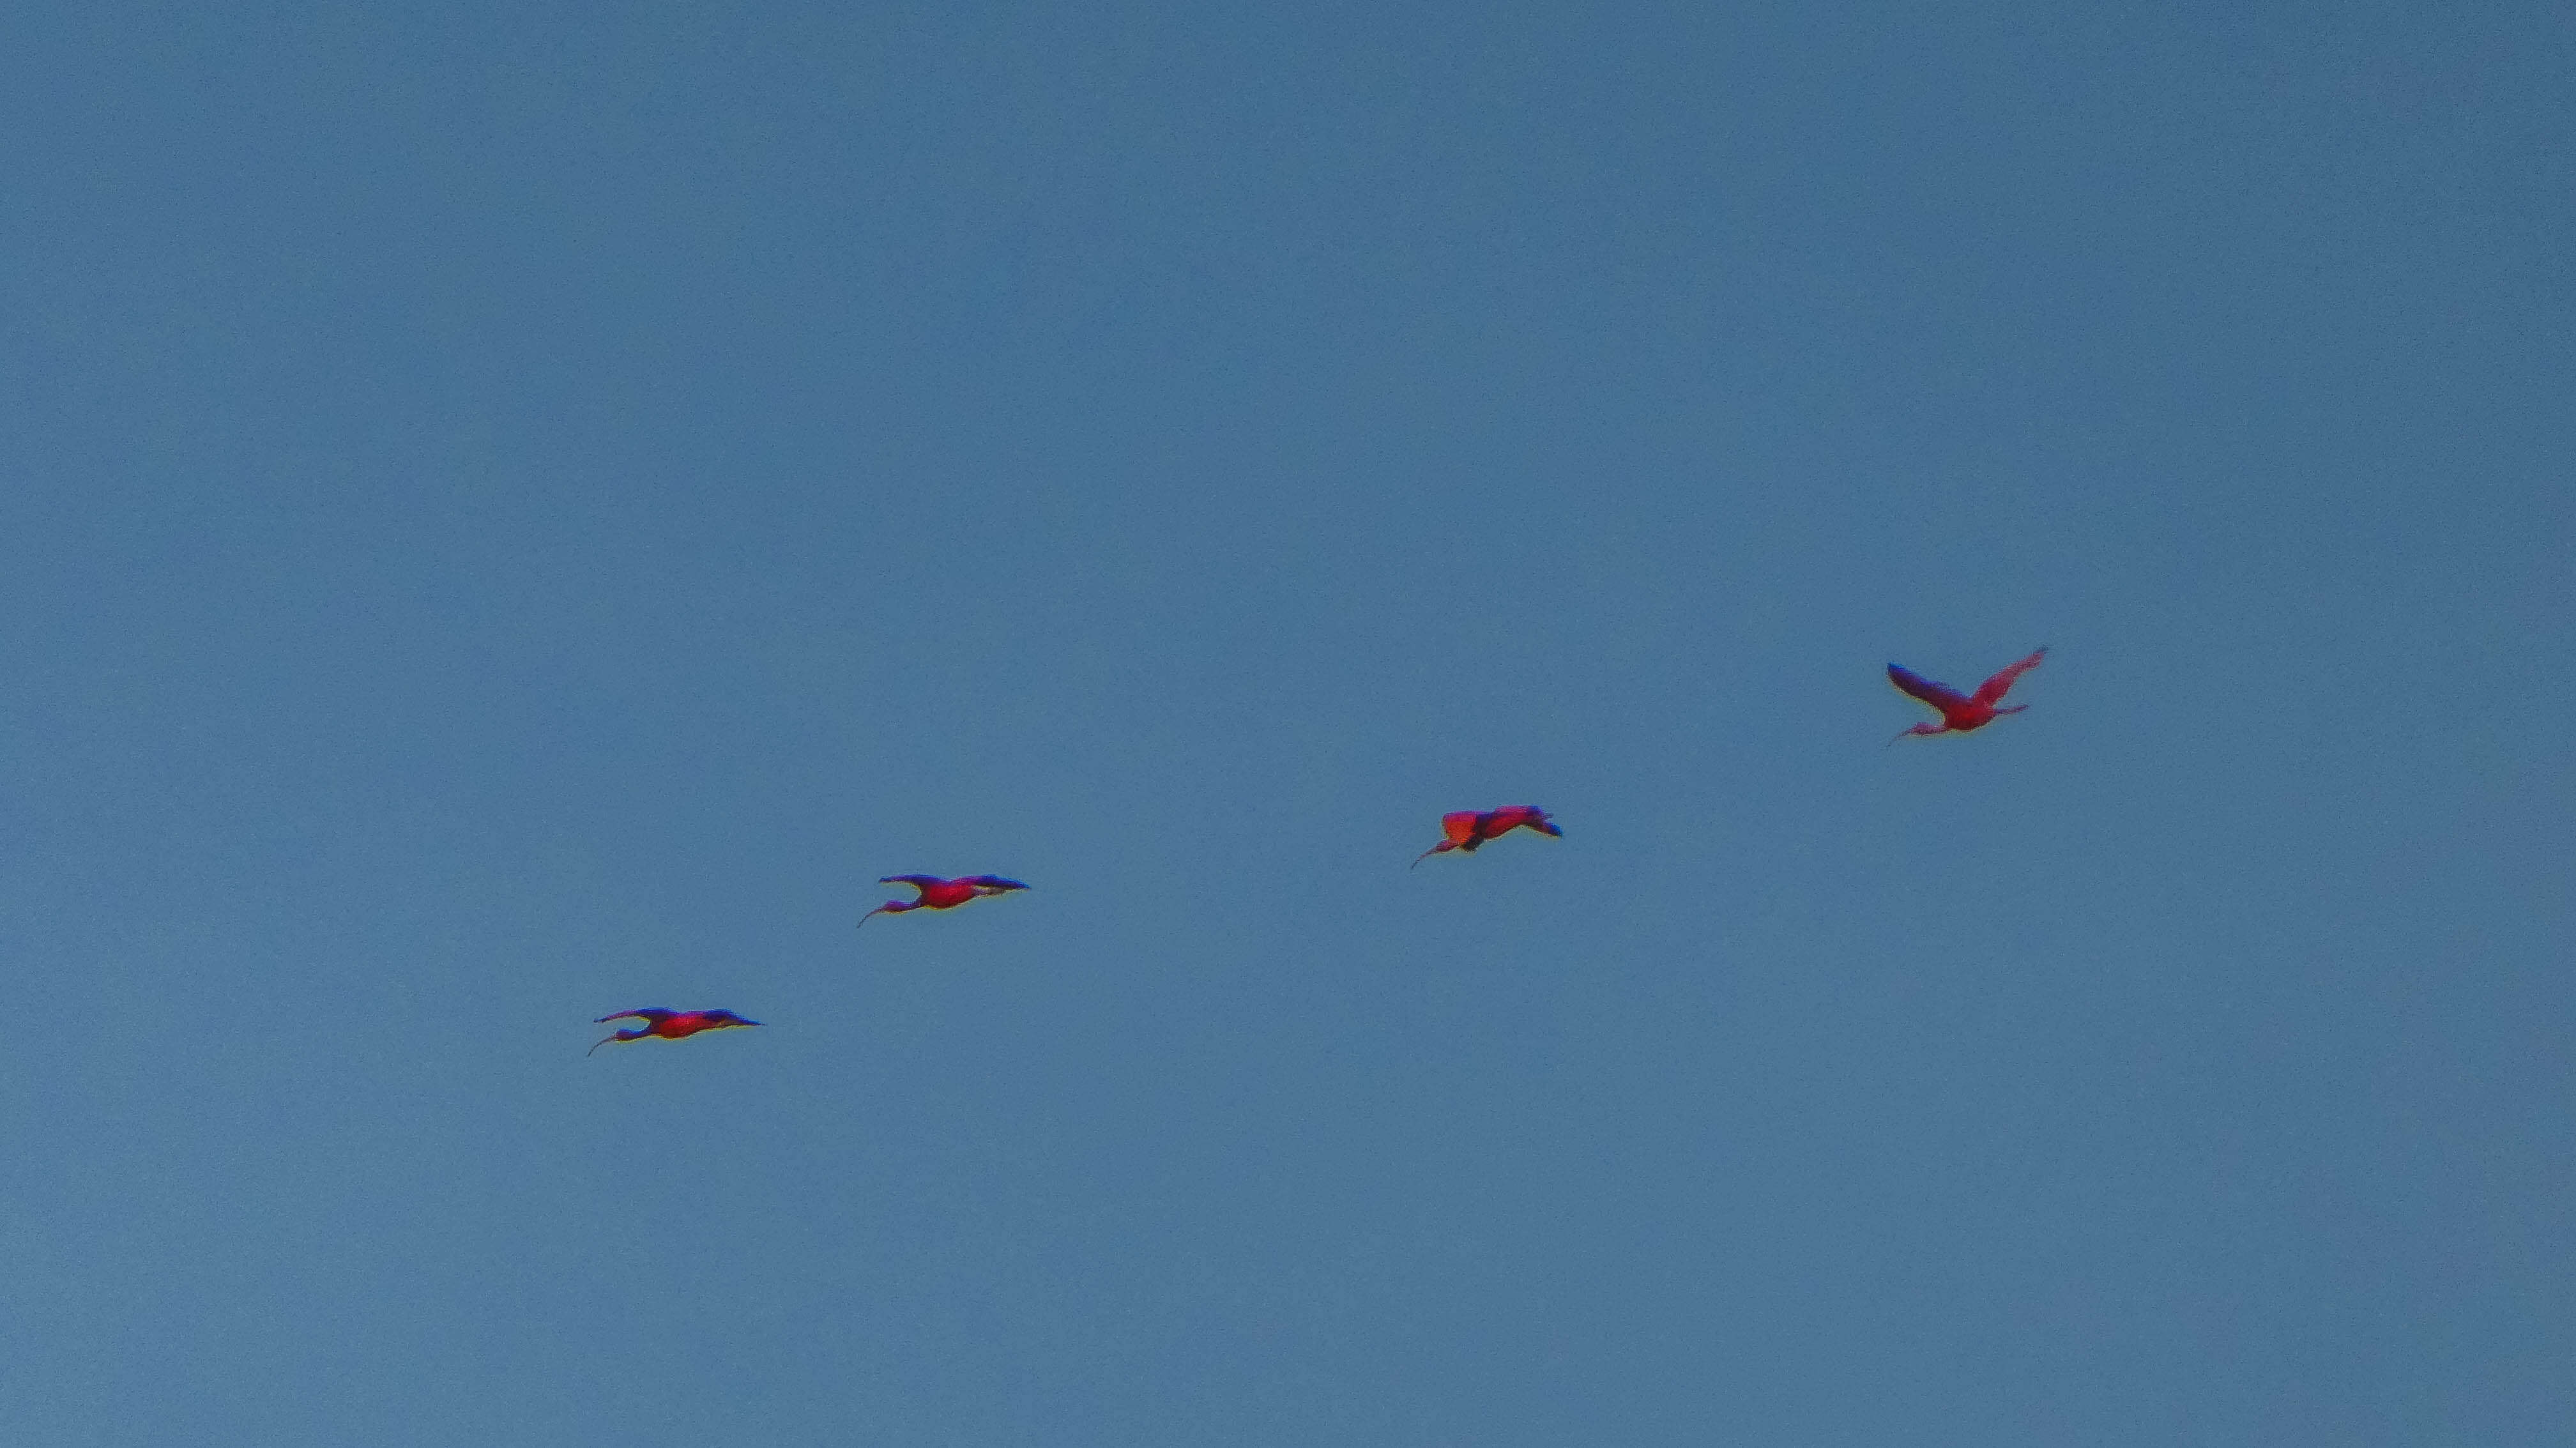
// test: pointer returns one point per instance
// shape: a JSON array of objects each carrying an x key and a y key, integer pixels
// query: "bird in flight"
[
  {"x": 1961, "y": 712},
  {"x": 669, "y": 1025},
  {"x": 939, "y": 894},
  {"x": 1468, "y": 828}
]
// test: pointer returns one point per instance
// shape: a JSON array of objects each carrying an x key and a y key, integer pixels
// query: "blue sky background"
[{"x": 513, "y": 512}]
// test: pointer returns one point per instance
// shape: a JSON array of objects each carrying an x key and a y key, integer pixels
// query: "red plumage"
[
  {"x": 669, "y": 1025},
  {"x": 935, "y": 893},
  {"x": 1962, "y": 712},
  {"x": 1467, "y": 829}
]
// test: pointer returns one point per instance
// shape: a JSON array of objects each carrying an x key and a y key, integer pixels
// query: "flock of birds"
[{"x": 1463, "y": 831}]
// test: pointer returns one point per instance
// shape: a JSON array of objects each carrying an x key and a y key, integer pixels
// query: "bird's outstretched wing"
[
  {"x": 1939, "y": 696},
  {"x": 650, "y": 1015},
  {"x": 1511, "y": 816},
  {"x": 1460, "y": 825},
  {"x": 994, "y": 883},
  {"x": 918, "y": 882},
  {"x": 1993, "y": 689}
]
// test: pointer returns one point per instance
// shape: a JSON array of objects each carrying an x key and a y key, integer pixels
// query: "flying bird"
[
  {"x": 939, "y": 894},
  {"x": 669, "y": 1025},
  {"x": 1961, "y": 712},
  {"x": 1468, "y": 828}
]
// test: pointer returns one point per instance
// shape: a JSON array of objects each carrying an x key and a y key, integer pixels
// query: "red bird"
[
  {"x": 939, "y": 894},
  {"x": 1961, "y": 712},
  {"x": 1469, "y": 828},
  {"x": 669, "y": 1025}
]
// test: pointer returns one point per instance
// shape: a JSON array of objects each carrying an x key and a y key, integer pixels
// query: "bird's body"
[
  {"x": 1962, "y": 712},
  {"x": 938, "y": 894},
  {"x": 1468, "y": 828},
  {"x": 669, "y": 1025}
]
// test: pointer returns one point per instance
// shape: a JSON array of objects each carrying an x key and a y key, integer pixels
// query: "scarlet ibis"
[
  {"x": 1468, "y": 828},
  {"x": 939, "y": 894},
  {"x": 669, "y": 1025},
  {"x": 1961, "y": 712}
]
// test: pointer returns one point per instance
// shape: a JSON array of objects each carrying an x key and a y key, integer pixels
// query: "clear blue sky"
[{"x": 511, "y": 512}]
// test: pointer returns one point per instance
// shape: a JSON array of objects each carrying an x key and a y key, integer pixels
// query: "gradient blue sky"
[{"x": 516, "y": 511}]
